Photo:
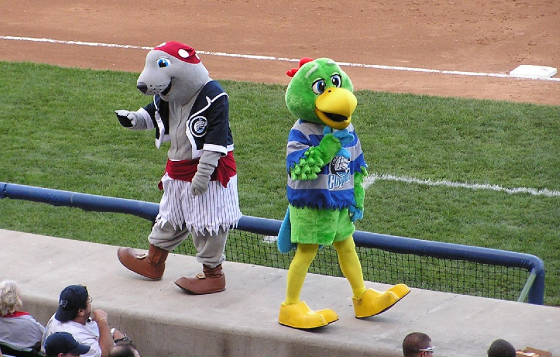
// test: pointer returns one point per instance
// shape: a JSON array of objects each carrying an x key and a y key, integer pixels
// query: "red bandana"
[{"x": 179, "y": 50}]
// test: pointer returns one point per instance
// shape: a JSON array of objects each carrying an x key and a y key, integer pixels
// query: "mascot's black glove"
[
  {"x": 128, "y": 119},
  {"x": 122, "y": 115}
]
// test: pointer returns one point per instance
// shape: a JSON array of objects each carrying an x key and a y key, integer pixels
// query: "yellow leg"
[
  {"x": 296, "y": 313},
  {"x": 367, "y": 302},
  {"x": 350, "y": 265},
  {"x": 305, "y": 254}
]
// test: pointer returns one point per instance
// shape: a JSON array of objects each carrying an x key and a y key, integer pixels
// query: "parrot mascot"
[{"x": 325, "y": 168}]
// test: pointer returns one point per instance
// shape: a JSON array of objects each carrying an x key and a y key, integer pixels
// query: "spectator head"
[
  {"x": 62, "y": 344},
  {"x": 72, "y": 299},
  {"x": 417, "y": 344},
  {"x": 501, "y": 348},
  {"x": 124, "y": 350},
  {"x": 10, "y": 300}
]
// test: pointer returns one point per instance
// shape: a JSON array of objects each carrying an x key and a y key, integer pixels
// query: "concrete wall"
[{"x": 242, "y": 321}]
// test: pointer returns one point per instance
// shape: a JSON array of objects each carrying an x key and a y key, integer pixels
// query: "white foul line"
[
  {"x": 368, "y": 181},
  {"x": 283, "y": 59},
  {"x": 79, "y": 43}
]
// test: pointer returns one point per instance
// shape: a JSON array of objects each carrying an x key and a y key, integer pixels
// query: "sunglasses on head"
[{"x": 427, "y": 349}]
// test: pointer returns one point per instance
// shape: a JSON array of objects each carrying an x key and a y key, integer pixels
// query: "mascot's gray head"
[{"x": 174, "y": 71}]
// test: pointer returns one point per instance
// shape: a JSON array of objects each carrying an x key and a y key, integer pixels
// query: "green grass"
[{"x": 59, "y": 131}]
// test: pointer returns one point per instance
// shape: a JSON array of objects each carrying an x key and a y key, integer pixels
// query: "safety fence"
[{"x": 387, "y": 259}]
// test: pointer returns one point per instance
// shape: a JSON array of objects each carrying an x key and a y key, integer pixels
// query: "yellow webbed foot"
[
  {"x": 401, "y": 290},
  {"x": 329, "y": 315},
  {"x": 373, "y": 302},
  {"x": 300, "y": 316}
]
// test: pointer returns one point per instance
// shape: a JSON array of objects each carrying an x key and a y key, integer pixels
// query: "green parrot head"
[{"x": 321, "y": 92}]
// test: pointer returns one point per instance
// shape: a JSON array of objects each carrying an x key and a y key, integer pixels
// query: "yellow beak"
[{"x": 335, "y": 106}]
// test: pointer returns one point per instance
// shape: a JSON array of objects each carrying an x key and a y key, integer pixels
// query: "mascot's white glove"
[
  {"x": 206, "y": 166},
  {"x": 139, "y": 119}
]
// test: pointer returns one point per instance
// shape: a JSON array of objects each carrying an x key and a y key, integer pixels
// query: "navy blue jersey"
[{"x": 207, "y": 126}]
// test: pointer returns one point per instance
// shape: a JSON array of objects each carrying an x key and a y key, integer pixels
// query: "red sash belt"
[{"x": 184, "y": 170}]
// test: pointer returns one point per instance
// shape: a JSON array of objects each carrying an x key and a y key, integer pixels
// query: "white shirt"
[{"x": 87, "y": 334}]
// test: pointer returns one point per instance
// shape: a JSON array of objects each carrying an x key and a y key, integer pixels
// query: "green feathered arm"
[
  {"x": 359, "y": 193},
  {"x": 315, "y": 158},
  {"x": 356, "y": 210}
]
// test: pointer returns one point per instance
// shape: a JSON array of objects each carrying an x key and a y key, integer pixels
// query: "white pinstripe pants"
[{"x": 208, "y": 217}]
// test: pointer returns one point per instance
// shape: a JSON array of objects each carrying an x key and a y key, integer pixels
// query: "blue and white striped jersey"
[{"x": 334, "y": 186}]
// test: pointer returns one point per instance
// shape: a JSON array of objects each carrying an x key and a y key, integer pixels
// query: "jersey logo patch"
[
  {"x": 339, "y": 172},
  {"x": 198, "y": 126}
]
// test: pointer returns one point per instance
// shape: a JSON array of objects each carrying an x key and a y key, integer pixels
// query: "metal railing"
[{"x": 532, "y": 291}]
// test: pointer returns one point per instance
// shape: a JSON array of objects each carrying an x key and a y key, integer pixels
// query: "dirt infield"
[{"x": 473, "y": 36}]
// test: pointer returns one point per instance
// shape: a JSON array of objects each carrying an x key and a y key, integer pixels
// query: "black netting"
[{"x": 448, "y": 275}]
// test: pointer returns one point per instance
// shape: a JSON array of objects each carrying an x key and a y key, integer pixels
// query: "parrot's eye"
[
  {"x": 162, "y": 62},
  {"x": 318, "y": 86},
  {"x": 336, "y": 80}
]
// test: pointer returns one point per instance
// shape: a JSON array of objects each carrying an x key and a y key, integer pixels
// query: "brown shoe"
[
  {"x": 150, "y": 265},
  {"x": 211, "y": 280}
]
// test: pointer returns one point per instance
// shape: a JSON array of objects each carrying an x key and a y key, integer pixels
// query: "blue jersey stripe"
[{"x": 320, "y": 198}]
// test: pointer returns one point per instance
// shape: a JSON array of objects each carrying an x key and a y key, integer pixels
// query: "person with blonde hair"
[{"x": 18, "y": 329}]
